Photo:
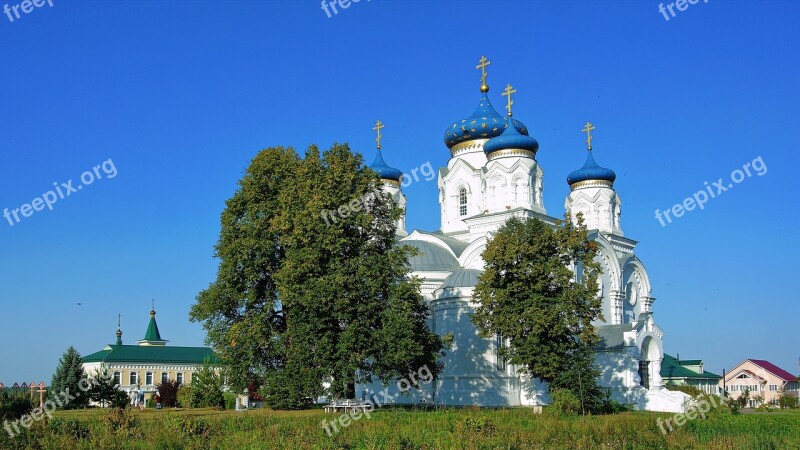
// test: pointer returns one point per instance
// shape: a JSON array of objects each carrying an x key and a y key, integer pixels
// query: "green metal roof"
[
  {"x": 151, "y": 354},
  {"x": 672, "y": 368}
]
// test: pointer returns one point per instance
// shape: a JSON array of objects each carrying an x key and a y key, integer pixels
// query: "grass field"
[{"x": 402, "y": 429}]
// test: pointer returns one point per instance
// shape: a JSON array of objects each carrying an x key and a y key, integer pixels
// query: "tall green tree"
[
  {"x": 539, "y": 292},
  {"x": 68, "y": 375},
  {"x": 240, "y": 311},
  {"x": 328, "y": 291}
]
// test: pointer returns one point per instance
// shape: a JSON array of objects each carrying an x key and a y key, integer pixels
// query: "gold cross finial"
[
  {"x": 378, "y": 127},
  {"x": 119, "y": 320},
  {"x": 484, "y": 62},
  {"x": 508, "y": 92},
  {"x": 588, "y": 130}
]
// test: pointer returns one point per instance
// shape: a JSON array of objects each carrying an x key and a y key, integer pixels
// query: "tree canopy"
[
  {"x": 539, "y": 293},
  {"x": 68, "y": 375},
  {"x": 301, "y": 300}
]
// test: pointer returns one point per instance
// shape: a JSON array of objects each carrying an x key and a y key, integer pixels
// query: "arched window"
[{"x": 462, "y": 202}]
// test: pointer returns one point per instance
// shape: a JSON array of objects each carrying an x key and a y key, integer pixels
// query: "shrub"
[
  {"x": 564, "y": 403},
  {"x": 230, "y": 400},
  {"x": 187, "y": 427},
  {"x": 610, "y": 406},
  {"x": 765, "y": 407},
  {"x": 169, "y": 393},
  {"x": 787, "y": 401},
  {"x": 480, "y": 425},
  {"x": 14, "y": 408},
  {"x": 122, "y": 422},
  {"x": 121, "y": 400},
  {"x": 184, "y": 397}
]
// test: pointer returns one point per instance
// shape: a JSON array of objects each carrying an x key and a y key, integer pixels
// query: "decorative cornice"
[
  {"x": 591, "y": 183},
  {"x": 467, "y": 146},
  {"x": 390, "y": 182},
  {"x": 511, "y": 152}
]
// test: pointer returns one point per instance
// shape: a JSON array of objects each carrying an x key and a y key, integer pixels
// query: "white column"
[{"x": 655, "y": 375}]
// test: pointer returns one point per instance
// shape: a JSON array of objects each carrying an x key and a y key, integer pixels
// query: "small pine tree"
[
  {"x": 104, "y": 389},
  {"x": 207, "y": 387},
  {"x": 68, "y": 376}
]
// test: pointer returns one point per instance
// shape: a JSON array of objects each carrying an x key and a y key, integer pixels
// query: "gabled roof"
[
  {"x": 672, "y": 368},
  {"x": 151, "y": 354},
  {"x": 773, "y": 369}
]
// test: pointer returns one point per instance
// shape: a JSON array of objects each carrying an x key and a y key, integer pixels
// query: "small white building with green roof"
[
  {"x": 148, "y": 363},
  {"x": 689, "y": 372}
]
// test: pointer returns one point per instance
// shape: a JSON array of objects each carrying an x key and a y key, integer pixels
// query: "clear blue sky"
[{"x": 181, "y": 95}]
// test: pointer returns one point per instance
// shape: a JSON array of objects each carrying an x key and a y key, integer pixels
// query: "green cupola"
[{"x": 152, "y": 336}]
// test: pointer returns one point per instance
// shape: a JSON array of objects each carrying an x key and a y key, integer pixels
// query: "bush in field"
[
  {"x": 121, "y": 400},
  {"x": 480, "y": 425},
  {"x": 13, "y": 408},
  {"x": 230, "y": 400},
  {"x": 187, "y": 427},
  {"x": 169, "y": 393},
  {"x": 787, "y": 401},
  {"x": 564, "y": 403},
  {"x": 122, "y": 422},
  {"x": 610, "y": 406},
  {"x": 765, "y": 407},
  {"x": 184, "y": 397}
]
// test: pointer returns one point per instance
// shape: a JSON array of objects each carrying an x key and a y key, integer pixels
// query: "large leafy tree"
[
  {"x": 539, "y": 293},
  {"x": 301, "y": 299},
  {"x": 68, "y": 375}
]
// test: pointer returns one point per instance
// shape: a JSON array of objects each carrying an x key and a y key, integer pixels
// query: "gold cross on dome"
[
  {"x": 588, "y": 130},
  {"x": 378, "y": 127},
  {"x": 484, "y": 62},
  {"x": 508, "y": 92}
]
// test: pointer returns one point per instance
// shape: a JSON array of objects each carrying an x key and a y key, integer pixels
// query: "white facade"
[{"x": 477, "y": 194}]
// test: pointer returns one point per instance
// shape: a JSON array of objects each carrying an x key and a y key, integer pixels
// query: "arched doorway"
[{"x": 650, "y": 364}]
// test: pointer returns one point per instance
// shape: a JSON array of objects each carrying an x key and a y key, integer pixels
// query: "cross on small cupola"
[
  {"x": 483, "y": 63},
  {"x": 377, "y": 128},
  {"x": 588, "y": 128},
  {"x": 508, "y": 93}
]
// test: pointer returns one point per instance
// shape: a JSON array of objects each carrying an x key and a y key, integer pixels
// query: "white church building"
[{"x": 493, "y": 175}]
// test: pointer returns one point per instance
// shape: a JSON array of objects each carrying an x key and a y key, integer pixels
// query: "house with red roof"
[{"x": 765, "y": 382}]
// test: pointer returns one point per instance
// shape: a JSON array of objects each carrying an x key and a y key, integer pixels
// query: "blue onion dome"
[
  {"x": 484, "y": 123},
  {"x": 591, "y": 171},
  {"x": 383, "y": 169},
  {"x": 511, "y": 139}
]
